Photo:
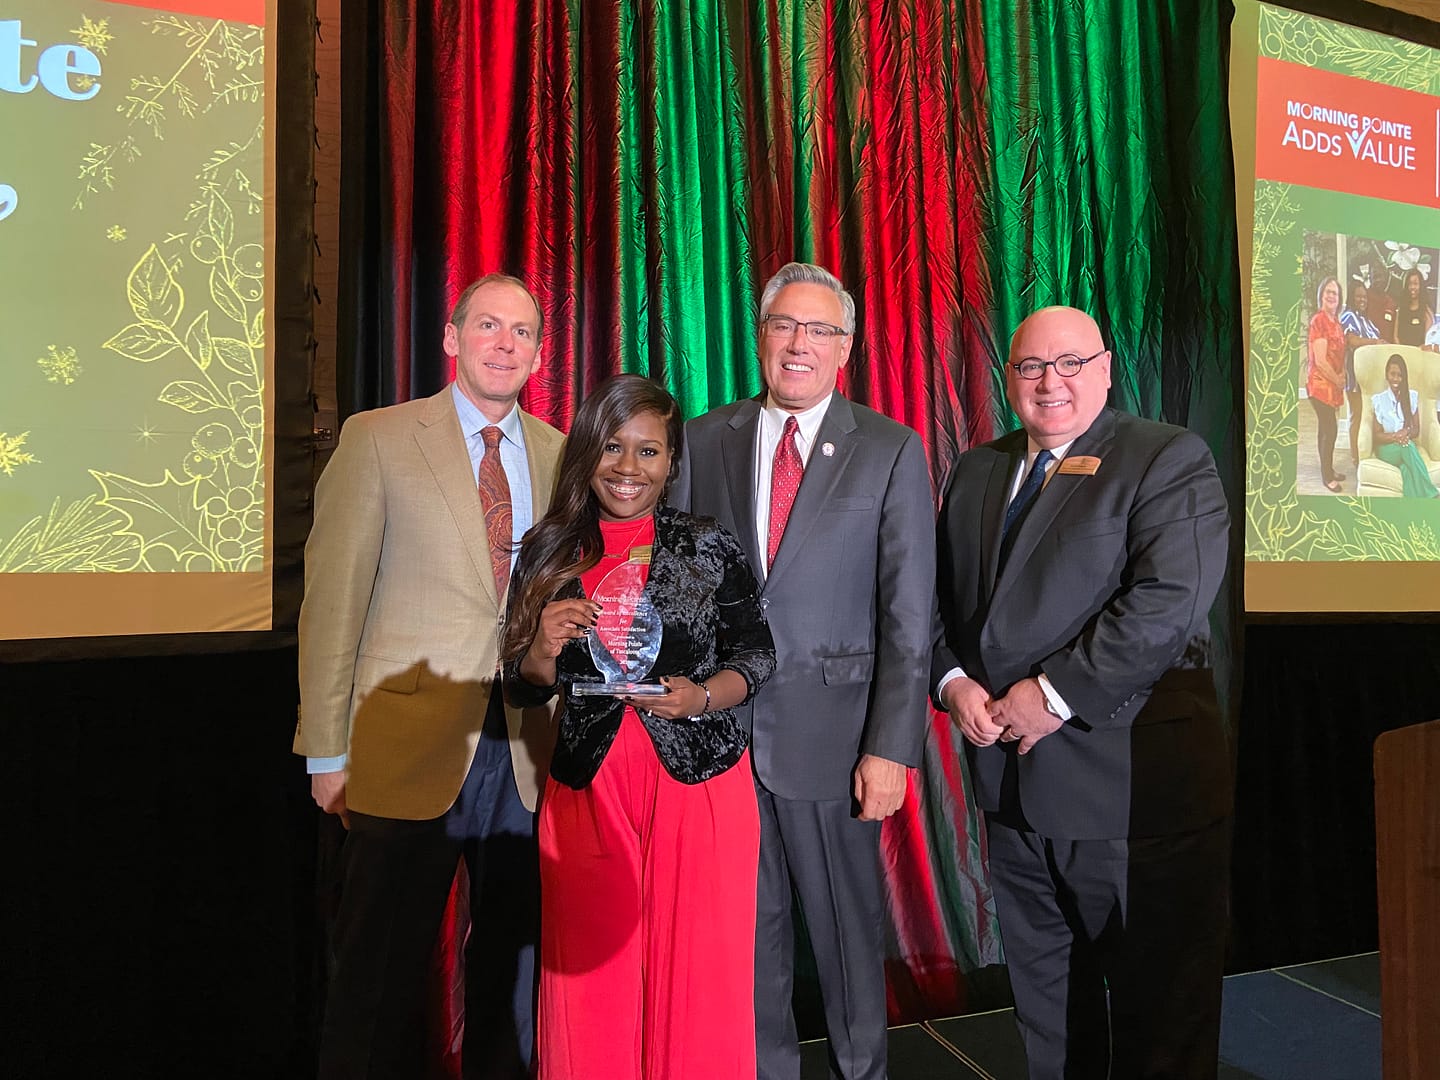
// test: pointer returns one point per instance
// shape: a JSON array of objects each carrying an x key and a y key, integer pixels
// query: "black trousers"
[
  {"x": 396, "y": 877},
  {"x": 1143, "y": 919},
  {"x": 1326, "y": 428},
  {"x": 831, "y": 862}
]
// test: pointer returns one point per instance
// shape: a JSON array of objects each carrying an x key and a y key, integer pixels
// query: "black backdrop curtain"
[
  {"x": 159, "y": 864},
  {"x": 1315, "y": 698}
]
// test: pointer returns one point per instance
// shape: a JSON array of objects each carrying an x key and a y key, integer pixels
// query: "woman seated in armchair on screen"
[
  {"x": 1397, "y": 426},
  {"x": 649, "y": 830}
]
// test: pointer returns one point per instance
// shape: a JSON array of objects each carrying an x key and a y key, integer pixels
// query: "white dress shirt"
[
  {"x": 767, "y": 438},
  {"x": 1387, "y": 409},
  {"x": 1032, "y": 451}
]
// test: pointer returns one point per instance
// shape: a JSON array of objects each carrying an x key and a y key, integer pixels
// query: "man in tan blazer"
[{"x": 402, "y": 721}]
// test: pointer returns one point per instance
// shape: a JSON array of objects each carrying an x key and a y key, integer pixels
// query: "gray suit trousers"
[{"x": 831, "y": 861}]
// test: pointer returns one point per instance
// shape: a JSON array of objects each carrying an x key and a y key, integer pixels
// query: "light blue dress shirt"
[
  {"x": 517, "y": 473},
  {"x": 512, "y": 456}
]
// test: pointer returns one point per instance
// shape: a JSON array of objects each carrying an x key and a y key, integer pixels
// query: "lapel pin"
[{"x": 828, "y": 449}]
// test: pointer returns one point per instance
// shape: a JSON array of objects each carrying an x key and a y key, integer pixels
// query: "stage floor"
[{"x": 1316, "y": 1021}]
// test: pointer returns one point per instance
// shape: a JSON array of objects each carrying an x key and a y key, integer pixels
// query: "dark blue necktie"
[{"x": 1028, "y": 490}]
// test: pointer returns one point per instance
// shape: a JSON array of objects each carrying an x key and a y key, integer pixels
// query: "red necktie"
[
  {"x": 784, "y": 483},
  {"x": 495, "y": 501}
]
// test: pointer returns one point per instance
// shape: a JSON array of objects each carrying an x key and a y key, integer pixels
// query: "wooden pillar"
[{"x": 1407, "y": 855}]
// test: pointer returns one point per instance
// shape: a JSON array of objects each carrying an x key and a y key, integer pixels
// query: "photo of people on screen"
[{"x": 1359, "y": 295}]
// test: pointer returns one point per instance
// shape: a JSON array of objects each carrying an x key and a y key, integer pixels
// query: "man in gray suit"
[
  {"x": 1078, "y": 559},
  {"x": 832, "y": 502}
]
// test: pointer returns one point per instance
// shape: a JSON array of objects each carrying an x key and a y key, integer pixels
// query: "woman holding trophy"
[{"x": 647, "y": 620}]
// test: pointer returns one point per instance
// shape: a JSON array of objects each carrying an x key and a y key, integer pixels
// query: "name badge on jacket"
[{"x": 1079, "y": 466}]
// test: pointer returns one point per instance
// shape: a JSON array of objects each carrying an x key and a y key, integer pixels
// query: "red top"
[{"x": 1325, "y": 327}]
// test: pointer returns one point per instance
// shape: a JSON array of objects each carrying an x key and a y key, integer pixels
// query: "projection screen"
[
  {"x": 136, "y": 396},
  {"x": 1337, "y": 156}
]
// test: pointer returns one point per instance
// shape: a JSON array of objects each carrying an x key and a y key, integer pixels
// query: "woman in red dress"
[
  {"x": 1325, "y": 377},
  {"x": 649, "y": 830}
]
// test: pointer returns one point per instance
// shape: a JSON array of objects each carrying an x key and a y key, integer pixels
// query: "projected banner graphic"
[
  {"x": 1337, "y": 144},
  {"x": 135, "y": 446}
]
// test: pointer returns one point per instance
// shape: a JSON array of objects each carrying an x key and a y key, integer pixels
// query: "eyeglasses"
[
  {"x": 782, "y": 326},
  {"x": 1066, "y": 364}
]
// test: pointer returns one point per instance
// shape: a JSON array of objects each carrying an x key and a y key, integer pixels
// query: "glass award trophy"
[{"x": 626, "y": 638}]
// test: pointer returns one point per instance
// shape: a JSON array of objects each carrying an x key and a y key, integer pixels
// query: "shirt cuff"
[
  {"x": 1053, "y": 696},
  {"x": 324, "y": 764},
  {"x": 950, "y": 676}
]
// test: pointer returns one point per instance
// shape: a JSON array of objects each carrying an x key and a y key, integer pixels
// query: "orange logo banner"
[
  {"x": 1340, "y": 133},
  {"x": 245, "y": 11}
]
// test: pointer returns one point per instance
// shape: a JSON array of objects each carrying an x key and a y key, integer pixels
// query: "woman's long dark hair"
[
  {"x": 566, "y": 541},
  {"x": 1399, "y": 361}
]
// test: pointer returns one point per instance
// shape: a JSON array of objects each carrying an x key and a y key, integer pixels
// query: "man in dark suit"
[
  {"x": 1078, "y": 559},
  {"x": 832, "y": 503}
]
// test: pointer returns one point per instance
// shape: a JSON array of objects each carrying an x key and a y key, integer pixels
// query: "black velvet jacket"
[{"x": 705, "y": 593}]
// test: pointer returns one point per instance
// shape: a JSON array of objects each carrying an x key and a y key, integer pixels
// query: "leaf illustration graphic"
[
  {"x": 143, "y": 342},
  {"x": 257, "y": 330},
  {"x": 198, "y": 340},
  {"x": 225, "y": 296},
  {"x": 219, "y": 221},
  {"x": 162, "y": 513},
  {"x": 235, "y": 355},
  {"x": 84, "y": 537},
  {"x": 155, "y": 296},
  {"x": 190, "y": 396}
]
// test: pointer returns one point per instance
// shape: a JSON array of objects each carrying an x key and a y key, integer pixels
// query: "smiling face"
[
  {"x": 497, "y": 347},
  {"x": 1412, "y": 287},
  {"x": 1330, "y": 297},
  {"x": 1394, "y": 376},
  {"x": 1054, "y": 409},
  {"x": 1359, "y": 297},
  {"x": 634, "y": 464},
  {"x": 799, "y": 372}
]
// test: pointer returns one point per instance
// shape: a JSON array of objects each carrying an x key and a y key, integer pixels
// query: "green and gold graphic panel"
[
  {"x": 135, "y": 443},
  {"x": 1337, "y": 156}
]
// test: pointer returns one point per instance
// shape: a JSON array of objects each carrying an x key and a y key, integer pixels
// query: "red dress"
[
  {"x": 1325, "y": 327},
  {"x": 647, "y": 931}
]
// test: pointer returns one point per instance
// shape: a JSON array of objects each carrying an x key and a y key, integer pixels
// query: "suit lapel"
[
  {"x": 737, "y": 448},
  {"x": 822, "y": 472},
  {"x": 542, "y": 465},
  {"x": 443, "y": 445},
  {"x": 997, "y": 498},
  {"x": 1053, "y": 498}
]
